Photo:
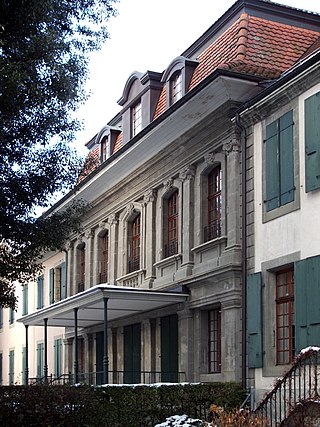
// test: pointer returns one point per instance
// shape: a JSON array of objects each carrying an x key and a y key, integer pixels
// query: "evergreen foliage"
[{"x": 44, "y": 54}]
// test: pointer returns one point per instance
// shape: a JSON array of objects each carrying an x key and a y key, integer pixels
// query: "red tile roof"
[
  {"x": 118, "y": 143},
  {"x": 252, "y": 46},
  {"x": 91, "y": 163}
]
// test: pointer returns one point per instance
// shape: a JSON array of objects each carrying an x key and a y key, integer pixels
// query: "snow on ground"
[{"x": 181, "y": 421}]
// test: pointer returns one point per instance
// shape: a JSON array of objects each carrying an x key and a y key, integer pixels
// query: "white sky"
[{"x": 147, "y": 35}]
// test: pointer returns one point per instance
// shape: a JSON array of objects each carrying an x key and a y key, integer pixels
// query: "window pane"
[
  {"x": 214, "y": 342},
  {"x": 136, "y": 119},
  {"x": 285, "y": 316},
  {"x": 213, "y": 227},
  {"x": 173, "y": 212},
  {"x": 175, "y": 88},
  {"x": 134, "y": 245}
]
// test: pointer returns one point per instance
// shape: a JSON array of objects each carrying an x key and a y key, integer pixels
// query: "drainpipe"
[{"x": 243, "y": 142}]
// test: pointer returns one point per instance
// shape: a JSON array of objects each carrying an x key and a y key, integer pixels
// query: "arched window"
[
  {"x": 212, "y": 229},
  {"x": 134, "y": 244},
  {"x": 171, "y": 246}
]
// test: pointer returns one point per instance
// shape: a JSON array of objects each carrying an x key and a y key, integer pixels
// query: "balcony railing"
[
  {"x": 133, "y": 264},
  {"x": 114, "y": 377},
  {"x": 299, "y": 385},
  {"x": 212, "y": 231},
  {"x": 171, "y": 248},
  {"x": 80, "y": 287},
  {"x": 103, "y": 278}
]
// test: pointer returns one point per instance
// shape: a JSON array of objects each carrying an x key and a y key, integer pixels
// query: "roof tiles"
[{"x": 252, "y": 46}]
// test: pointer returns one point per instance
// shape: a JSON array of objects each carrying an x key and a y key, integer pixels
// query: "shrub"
[{"x": 112, "y": 406}]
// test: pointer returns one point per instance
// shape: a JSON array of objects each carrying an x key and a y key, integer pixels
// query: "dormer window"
[
  {"x": 136, "y": 119},
  {"x": 177, "y": 78},
  {"x": 104, "y": 142},
  {"x": 175, "y": 87}
]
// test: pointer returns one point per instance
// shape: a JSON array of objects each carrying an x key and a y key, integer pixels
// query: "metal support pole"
[
  {"x": 105, "y": 342},
  {"x": 45, "y": 368},
  {"x": 26, "y": 371},
  {"x": 75, "y": 364}
]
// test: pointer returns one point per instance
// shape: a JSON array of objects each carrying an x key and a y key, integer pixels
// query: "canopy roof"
[{"x": 122, "y": 302}]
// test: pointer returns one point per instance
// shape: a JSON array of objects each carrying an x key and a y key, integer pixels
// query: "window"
[
  {"x": 214, "y": 340},
  {"x": 312, "y": 141},
  {"x": 104, "y": 258},
  {"x": 104, "y": 154},
  {"x": 175, "y": 87},
  {"x": 81, "y": 268},
  {"x": 11, "y": 367},
  {"x": 57, "y": 357},
  {"x": 40, "y": 292},
  {"x": 134, "y": 244},
  {"x": 40, "y": 360},
  {"x": 136, "y": 119},
  {"x": 285, "y": 330},
  {"x": 279, "y": 162},
  {"x": 213, "y": 228},
  {"x": 24, "y": 299},
  {"x": 11, "y": 316},
  {"x": 171, "y": 247}
]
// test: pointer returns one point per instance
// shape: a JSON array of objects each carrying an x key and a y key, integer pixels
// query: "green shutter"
[
  {"x": 272, "y": 166},
  {"x": 312, "y": 142},
  {"x": 25, "y": 300},
  {"x": 57, "y": 357},
  {"x": 286, "y": 158},
  {"x": 169, "y": 348},
  {"x": 132, "y": 353},
  {"x": 254, "y": 320},
  {"x": 307, "y": 302},
  {"x": 99, "y": 357},
  {"x": 63, "y": 281},
  {"x": 1, "y": 369},
  {"x": 40, "y": 292},
  {"x": 11, "y": 367},
  {"x": 24, "y": 365},
  {"x": 51, "y": 286},
  {"x": 40, "y": 360}
]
